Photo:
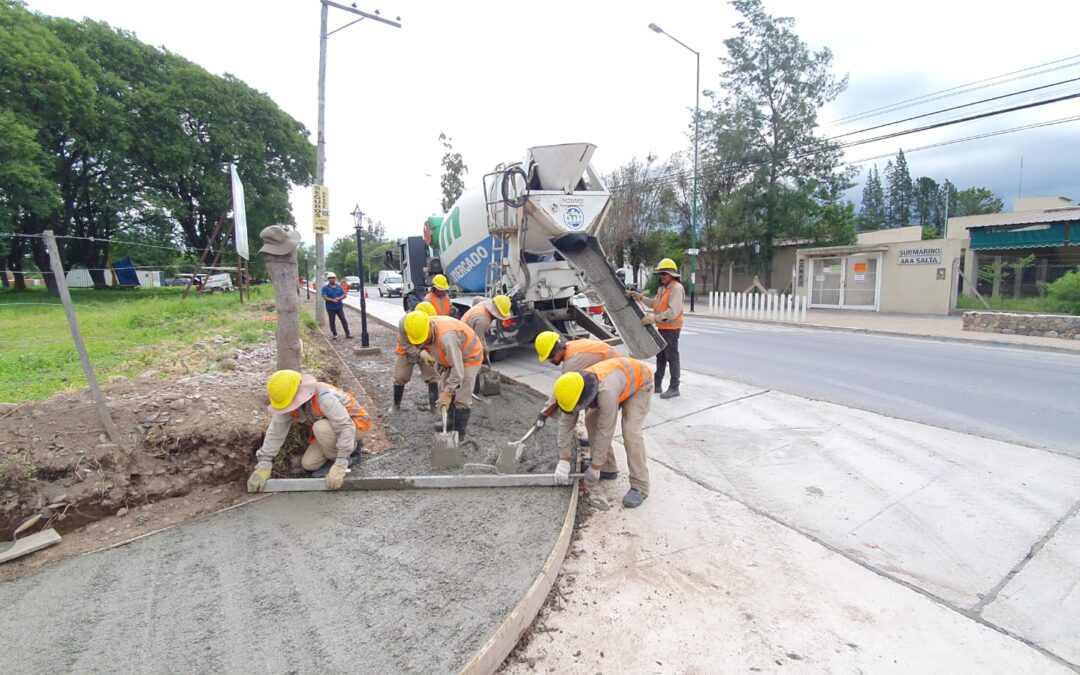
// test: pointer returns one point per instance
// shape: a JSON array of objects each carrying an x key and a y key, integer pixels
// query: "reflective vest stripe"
[
  {"x": 637, "y": 374},
  {"x": 472, "y": 353},
  {"x": 442, "y": 304},
  {"x": 662, "y": 306},
  {"x": 586, "y": 346},
  {"x": 359, "y": 416}
]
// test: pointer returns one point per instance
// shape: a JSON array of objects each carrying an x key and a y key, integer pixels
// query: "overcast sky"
[{"x": 500, "y": 76}]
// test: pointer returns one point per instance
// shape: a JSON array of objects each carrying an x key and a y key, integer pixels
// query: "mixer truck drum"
[{"x": 522, "y": 198}]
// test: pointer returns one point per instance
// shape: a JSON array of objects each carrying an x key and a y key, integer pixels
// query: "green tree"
[
  {"x": 641, "y": 206},
  {"x": 453, "y": 177},
  {"x": 926, "y": 202},
  {"x": 872, "y": 213},
  {"x": 977, "y": 201},
  {"x": 898, "y": 192},
  {"x": 775, "y": 86}
]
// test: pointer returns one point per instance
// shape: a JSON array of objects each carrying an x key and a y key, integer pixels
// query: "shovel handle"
[
  {"x": 26, "y": 525},
  {"x": 444, "y": 420}
]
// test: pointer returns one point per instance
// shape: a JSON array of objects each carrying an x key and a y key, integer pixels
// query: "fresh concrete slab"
[
  {"x": 949, "y": 513},
  {"x": 1042, "y": 601}
]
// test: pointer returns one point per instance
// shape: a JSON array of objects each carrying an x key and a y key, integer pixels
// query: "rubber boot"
[
  {"x": 432, "y": 394},
  {"x": 399, "y": 392},
  {"x": 658, "y": 386},
  {"x": 672, "y": 392},
  {"x": 461, "y": 420}
]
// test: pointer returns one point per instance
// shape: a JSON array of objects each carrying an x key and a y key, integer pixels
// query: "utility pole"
[{"x": 320, "y": 147}]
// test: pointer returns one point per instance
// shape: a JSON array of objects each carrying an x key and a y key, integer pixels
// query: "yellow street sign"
[{"x": 321, "y": 209}]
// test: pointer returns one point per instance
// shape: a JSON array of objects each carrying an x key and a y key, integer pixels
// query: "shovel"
[
  {"x": 490, "y": 382},
  {"x": 35, "y": 542},
  {"x": 511, "y": 453},
  {"x": 446, "y": 451}
]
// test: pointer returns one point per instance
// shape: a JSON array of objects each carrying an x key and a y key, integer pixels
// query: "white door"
[
  {"x": 861, "y": 281},
  {"x": 826, "y": 282}
]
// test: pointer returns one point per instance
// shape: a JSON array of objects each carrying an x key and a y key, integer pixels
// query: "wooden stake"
[{"x": 80, "y": 347}]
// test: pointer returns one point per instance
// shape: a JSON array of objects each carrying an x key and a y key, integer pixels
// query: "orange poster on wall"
[{"x": 860, "y": 267}]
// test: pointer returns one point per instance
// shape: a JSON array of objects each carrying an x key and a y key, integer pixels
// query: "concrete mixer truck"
[{"x": 529, "y": 232}]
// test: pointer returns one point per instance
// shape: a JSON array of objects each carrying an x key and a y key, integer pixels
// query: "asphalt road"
[{"x": 1011, "y": 394}]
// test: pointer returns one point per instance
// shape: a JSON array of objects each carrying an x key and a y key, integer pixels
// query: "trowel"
[
  {"x": 446, "y": 451},
  {"x": 35, "y": 542},
  {"x": 490, "y": 381},
  {"x": 510, "y": 454}
]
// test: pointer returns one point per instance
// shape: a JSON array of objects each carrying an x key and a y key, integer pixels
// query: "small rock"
[
  {"x": 229, "y": 364},
  {"x": 178, "y": 404},
  {"x": 171, "y": 396},
  {"x": 123, "y": 511},
  {"x": 199, "y": 345},
  {"x": 47, "y": 512}
]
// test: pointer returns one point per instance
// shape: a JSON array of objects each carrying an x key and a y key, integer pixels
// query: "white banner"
[{"x": 239, "y": 214}]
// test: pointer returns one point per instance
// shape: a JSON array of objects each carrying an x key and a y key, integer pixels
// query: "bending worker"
[
  {"x": 408, "y": 358},
  {"x": 457, "y": 353},
  {"x": 439, "y": 297},
  {"x": 335, "y": 418},
  {"x": 600, "y": 391},
  {"x": 480, "y": 316},
  {"x": 668, "y": 317}
]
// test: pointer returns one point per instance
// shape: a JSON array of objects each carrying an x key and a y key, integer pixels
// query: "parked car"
[
  {"x": 178, "y": 281},
  {"x": 217, "y": 282},
  {"x": 389, "y": 283},
  {"x": 353, "y": 284}
]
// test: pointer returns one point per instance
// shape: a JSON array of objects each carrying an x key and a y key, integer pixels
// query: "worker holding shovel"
[
  {"x": 601, "y": 391},
  {"x": 408, "y": 358},
  {"x": 334, "y": 415},
  {"x": 457, "y": 354},
  {"x": 483, "y": 313}
]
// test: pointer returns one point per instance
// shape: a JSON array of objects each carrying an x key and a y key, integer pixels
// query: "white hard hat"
[{"x": 331, "y": 274}]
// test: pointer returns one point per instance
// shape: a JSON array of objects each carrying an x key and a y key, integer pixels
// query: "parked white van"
[{"x": 389, "y": 283}]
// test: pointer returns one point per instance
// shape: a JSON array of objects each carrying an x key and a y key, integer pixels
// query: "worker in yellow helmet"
[
  {"x": 458, "y": 355},
  {"x": 483, "y": 313},
  {"x": 439, "y": 296},
  {"x": 409, "y": 356},
  {"x": 334, "y": 416},
  {"x": 668, "y": 317},
  {"x": 601, "y": 391}
]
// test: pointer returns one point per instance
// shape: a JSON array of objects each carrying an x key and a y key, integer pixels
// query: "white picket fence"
[{"x": 771, "y": 307}]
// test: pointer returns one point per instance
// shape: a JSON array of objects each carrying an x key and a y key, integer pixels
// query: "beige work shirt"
[
  {"x": 675, "y": 302},
  {"x": 607, "y": 404},
  {"x": 332, "y": 404}
]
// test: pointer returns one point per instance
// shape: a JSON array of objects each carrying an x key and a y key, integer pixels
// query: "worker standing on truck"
[
  {"x": 409, "y": 357},
  {"x": 668, "y": 317},
  {"x": 483, "y": 312},
  {"x": 457, "y": 354},
  {"x": 332, "y": 295},
  {"x": 600, "y": 391},
  {"x": 336, "y": 420},
  {"x": 438, "y": 296}
]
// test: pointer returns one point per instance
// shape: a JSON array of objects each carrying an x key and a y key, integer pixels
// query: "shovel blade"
[
  {"x": 446, "y": 451},
  {"x": 508, "y": 457},
  {"x": 490, "y": 384}
]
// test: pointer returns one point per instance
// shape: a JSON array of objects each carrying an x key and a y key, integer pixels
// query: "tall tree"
[
  {"x": 453, "y": 177},
  {"x": 977, "y": 201},
  {"x": 775, "y": 86},
  {"x": 926, "y": 202},
  {"x": 872, "y": 213},
  {"x": 640, "y": 212},
  {"x": 898, "y": 192}
]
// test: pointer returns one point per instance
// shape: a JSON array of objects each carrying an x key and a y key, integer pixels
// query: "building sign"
[
  {"x": 320, "y": 197},
  {"x": 802, "y": 272},
  {"x": 919, "y": 256},
  {"x": 860, "y": 267}
]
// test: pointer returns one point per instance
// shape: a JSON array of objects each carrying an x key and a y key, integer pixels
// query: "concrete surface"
[{"x": 376, "y": 582}]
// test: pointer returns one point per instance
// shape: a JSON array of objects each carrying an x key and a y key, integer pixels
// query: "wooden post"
[
  {"x": 282, "y": 270},
  {"x": 80, "y": 347}
]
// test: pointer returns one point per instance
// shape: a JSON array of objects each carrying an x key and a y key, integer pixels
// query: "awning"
[{"x": 1052, "y": 235}]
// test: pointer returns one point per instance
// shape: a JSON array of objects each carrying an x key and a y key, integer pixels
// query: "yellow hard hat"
[
  {"x": 667, "y": 265},
  {"x": 545, "y": 344},
  {"x": 417, "y": 327},
  {"x": 282, "y": 387},
  {"x": 568, "y": 390},
  {"x": 426, "y": 307},
  {"x": 502, "y": 305},
  {"x": 439, "y": 281}
]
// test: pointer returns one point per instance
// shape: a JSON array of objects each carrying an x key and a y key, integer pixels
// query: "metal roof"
[{"x": 1031, "y": 218}]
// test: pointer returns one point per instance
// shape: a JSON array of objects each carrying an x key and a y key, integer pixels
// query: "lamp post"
[
  {"x": 697, "y": 118},
  {"x": 358, "y": 223},
  {"x": 320, "y": 146}
]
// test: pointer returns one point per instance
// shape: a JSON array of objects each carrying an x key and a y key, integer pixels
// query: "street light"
[
  {"x": 358, "y": 223},
  {"x": 697, "y": 115},
  {"x": 320, "y": 146}
]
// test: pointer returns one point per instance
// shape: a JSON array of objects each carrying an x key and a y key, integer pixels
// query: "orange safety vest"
[
  {"x": 637, "y": 373},
  {"x": 356, "y": 411},
  {"x": 442, "y": 305},
  {"x": 587, "y": 346},
  {"x": 402, "y": 339},
  {"x": 662, "y": 306},
  {"x": 472, "y": 353}
]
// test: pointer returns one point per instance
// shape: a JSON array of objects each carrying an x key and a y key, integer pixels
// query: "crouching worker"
[
  {"x": 457, "y": 353},
  {"x": 334, "y": 416},
  {"x": 600, "y": 391}
]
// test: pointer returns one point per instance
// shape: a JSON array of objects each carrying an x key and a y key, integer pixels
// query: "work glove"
[
  {"x": 540, "y": 422},
  {"x": 427, "y": 358},
  {"x": 648, "y": 320},
  {"x": 445, "y": 399},
  {"x": 592, "y": 475},
  {"x": 336, "y": 476},
  {"x": 633, "y": 295},
  {"x": 562, "y": 472},
  {"x": 257, "y": 480}
]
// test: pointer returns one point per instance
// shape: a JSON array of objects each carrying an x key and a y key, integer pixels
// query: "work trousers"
[
  {"x": 340, "y": 315},
  {"x": 323, "y": 446},
  {"x": 670, "y": 355},
  {"x": 634, "y": 411},
  {"x": 463, "y": 395},
  {"x": 404, "y": 366}
]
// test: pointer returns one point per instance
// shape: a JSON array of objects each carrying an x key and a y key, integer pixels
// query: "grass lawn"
[
  {"x": 1007, "y": 304},
  {"x": 127, "y": 332}
]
